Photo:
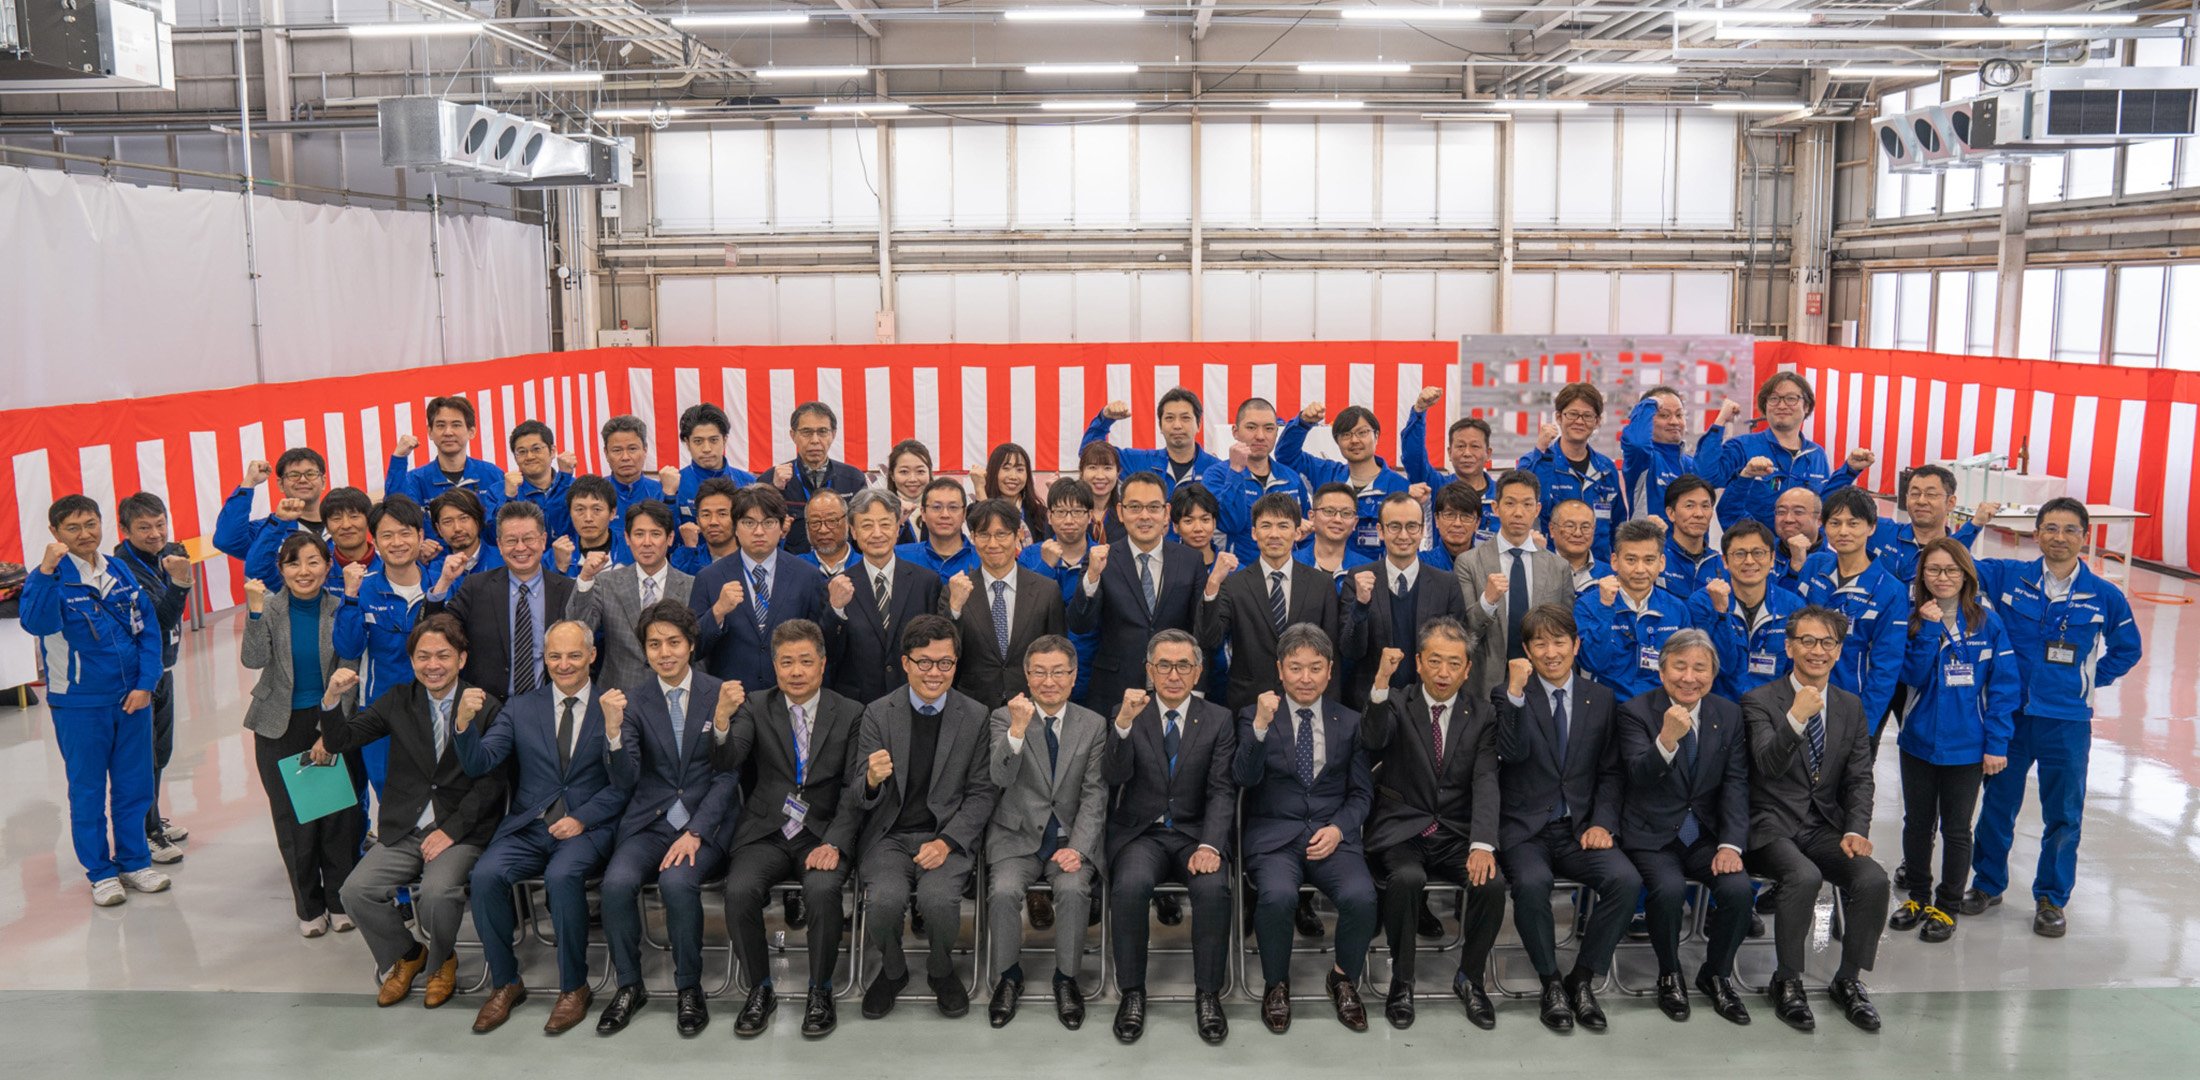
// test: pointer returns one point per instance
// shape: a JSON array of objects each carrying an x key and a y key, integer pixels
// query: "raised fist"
[
  {"x": 1608, "y": 588},
  {"x": 730, "y": 696},
  {"x": 1050, "y": 552},
  {"x": 453, "y": 569},
  {"x": 342, "y": 681},
  {"x": 1720, "y": 592},
  {"x": 429, "y": 549},
  {"x": 1420, "y": 493},
  {"x": 55, "y": 552},
  {"x": 1496, "y": 588},
  {"x": 406, "y": 444},
  {"x": 470, "y": 702},
  {"x": 1809, "y": 702},
  {"x": 1019, "y": 715},
  {"x": 1861, "y": 459},
  {"x": 1096, "y": 560},
  {"x": 290, "y": 509},
  {"x": 1729, "y": 411},
  {"x": 178, "y": 568},
  {"x": 959, "y": 588},
  {"x": 1428, "y": 398},
  {"x": 1225, "y": 565},
  {"x": 1798, "y": 547},
  {"x": 782, "y": 473},
  {"x": 255, "y": 474},
  {"x": 1984, "y": 514},
  {"x": 613, "y": 703},
  {"x": 1930, "y": 611},
  {"x": 878, "y": 768},
  {"x": 1240, "y": 455},
  {"x": 1116, "y": 410},
  {"x": 1677, "y": 724},
  {"x": 353, "y": 575},
  {"x": 729, "y": 598},
  {"x": 1363, "y": 585},
  {"x": 1391, "y": 659},
  {"x": 1546, "y": 435},
  {"x": 562, "y": 549},
  {"x": 1516, "y": 675},
  {"x": 1312, "y": 412},
  {"x": 690, "y": 534},
  {"x": 1264, "y": 709},
  {"x": 595, "y": 562},
  {"x": 512, "y": 477},
  {"x": 839, "y": 591},
  {"x": 669, "y": 479},
  {"x": 1756, "y": 467},
  {"x": 255, "y": 590},
  {"x": 566, "y": 462},
  {"x": 1134, "y": 702}
]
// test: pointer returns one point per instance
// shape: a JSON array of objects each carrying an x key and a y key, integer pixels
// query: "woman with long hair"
[
  {"x": 1101, "y": 469},
  {"x": 908, "y": 469},
  {"x": 1008, "y": 476}
]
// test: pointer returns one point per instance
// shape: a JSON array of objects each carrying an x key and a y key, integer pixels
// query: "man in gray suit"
[
  {"x": 925, "y": 793},
  {"x": 1048, "y": 821},
  {"x": 610, "y": 601},
  {"x": 1508, "y": 577}
]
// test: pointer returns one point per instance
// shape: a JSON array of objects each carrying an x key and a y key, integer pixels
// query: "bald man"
[{"x": 1798, "y": 520}]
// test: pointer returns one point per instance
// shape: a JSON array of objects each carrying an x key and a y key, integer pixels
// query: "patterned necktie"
[
  {"x": 439, "y": 725},
  {"x": 649, "y": 593},
  {"x": 879, "y": 586},
  {"x": 802, "y": 759},
  {"x": 524, "y": 661},
  {"x": 1436, "y": 746},
  {"x": 1172, "y": 738},
  {"x": 1275, "y": 599},
  {"x": 1145, "y": 582},
  {"x": 1305, "y": 740},
  {"x": 1815, "y": 731},
  {"x": 762, "y": 601},
  {"x": 1000, "y": 617},
  {"x": 676, "y": 702},
  {"x": 1559, "y": 723}
]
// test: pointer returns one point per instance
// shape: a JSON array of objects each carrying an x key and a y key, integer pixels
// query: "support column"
[
  {"x": 2016, "y": 216},
  {"x": 1199, "y": 240},
  {"x": 888, "y": 323},
  {"x": 275, "y": 97},
  {"x": 1503, "y": 322},
  {"x": 1809, "y": 265}
]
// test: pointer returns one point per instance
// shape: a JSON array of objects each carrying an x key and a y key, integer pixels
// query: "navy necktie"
[
  {"x": 1275, "y": 599},
  {"x": 1516, "y": 604},
  {"x": 1559, "y": 722},
  {"x": 1305, "y": 747},
  {"x": 1691, "y": 829},
  {"x": 1172, "y": 739}
]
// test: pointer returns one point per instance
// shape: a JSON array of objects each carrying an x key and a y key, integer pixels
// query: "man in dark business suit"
[
  {"x": 1686, "y": 817},
  {"x": 1175, "y": 806},
  {"x": 863, "y": 619},
  {"x": 506, "y": 610},
  {"x": 1307, "y": 792},
  {"x": 1251, "y": 607},
  {"x": 558, "y": 828},
  {"x": 1404, "y": 594},
  {"x": 1134, "y": 590},
  {"x": 800, "y": 738},
  {"x": 1435, "y": 816},
  {"x": 739, "y": 600},
  {"x": 1000, "y": 608},
  {"x": 1810, "y": 816},
  {"x": 678, "y": 822},
  {"x": 812, "y": 426},
  {"x": 1560, "y": 781},
  {"x": 925, "y": 793}
]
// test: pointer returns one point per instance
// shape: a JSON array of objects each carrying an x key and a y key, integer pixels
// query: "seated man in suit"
[
  {"x": 1435, "y": 813},
  {"x": 679, "y": 821},
  {"x": 1404, "y": 594},
  {"x": 435, "y": 819},
  {"x": 1251, "y": 607},
  {"x": 799, "y": 739},
  {"x": 558, "y": 828},
  {"x": 505, "y": 610},
  {"x": 1625, "y": 620},
  {"x": 864, "y": 617},
  {"x": 1169, "y": 762},
  {"x": 739, "y": 600},
  {"x": 1508, "y": 577},
  {"x": 1686, "y": 817},
  {"x": 1052, "y": 808},
  {"x": 1307, "y": 792},
  {"x": 1560, "y": 782},
  {"x": 925, "y": 793},
  {"x": 1014, "y": 607},
  {"x": 609, "y": 599},
  {"x": 1143, "y": 586},
  {"x": 1810, "y": 816}
]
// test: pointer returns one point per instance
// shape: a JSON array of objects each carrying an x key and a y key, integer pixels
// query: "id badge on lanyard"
[
  {"x": 1763, "y": 663},
  {"x": 1957, "y": 672},
  {"x": 2060, "y": 649}
]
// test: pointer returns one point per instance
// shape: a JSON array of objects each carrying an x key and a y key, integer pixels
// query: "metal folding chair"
[
  {"x": 714, "y": 886},
  {"x": 1583, "y": 899},
  {"x": 859, "y": 922},
  {"x": 1248, "y": 942},
  {"x": 1698, "y": 899},
  {"x": 1422, "y": 989},
  {"x": 844, "y": 982}
]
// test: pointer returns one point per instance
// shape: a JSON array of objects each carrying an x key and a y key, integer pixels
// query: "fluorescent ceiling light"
[
  {"x": 1355, "y": 69},
  {"x": 860, "y": 107},
  {"x": 2068, "y": 18},
  {"x": 1075, "y": 13},
  {"x": 1883, "y": 71},
  {"x": 1081, "y": 69},
  {"x": 548, "y": 78},
  {"x": 1745, "y": 15},
  {"x": 1090, "y": 106},
  {"x": 812, "y": 72},
  {"x": 425, "y": 28},
  {"x": 1536, "y": 105},
  {"x": 1902, "y": 34},
  {"x": 1316, "y": 103},
  {"x": 641, "y": 112},
  {"x": 741, "y": 18},
  {"x": 1623, "y": 69},
  {"x": 1411, "y": 13},
  {"x": 1758, "y": 106}
]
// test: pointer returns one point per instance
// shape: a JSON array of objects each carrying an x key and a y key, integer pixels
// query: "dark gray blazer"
[
  {"x": 1785, "y": 800},
  {"x": 266, "y": 648},
  {"x": 962, "y": 792}
]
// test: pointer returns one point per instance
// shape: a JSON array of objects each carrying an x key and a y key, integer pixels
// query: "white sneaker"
[
  {"x": 342, "y": 924},
  {"x": 165, "y": 852},
  {"x": 146, "y": 880},
  {"x": 175, "y": 833},
  {"x": 107, "y": 892},
  {"x": 313, "y": 928}
]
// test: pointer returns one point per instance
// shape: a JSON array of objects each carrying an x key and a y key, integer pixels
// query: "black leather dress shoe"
[
  {"x": 1345, "y": 995},
  {"x": 1855, "y": 1004},
  {"x": 954, "y": 1001},
  {"x": 1398, "y": 1005},
  {"x": 1902, "y": 877},
  {"x": 1906, "y": 917},
  {"x": 1006, "y": 994},
  {"x": 1582, "y": 996},
  {"x": 1069, "y": 1003},
  {"x": 1480, "y": 1012},
  {"x": 1168, "y": 909},
  {"x": 1976, "y": 902},
  {"x": 1790, "y": 1004},
  {"x": 1275, "y": 1007},
  {"x": 1428, "y": 925},
  {"x": 1725, "y": 1000},
  {"x": 691, "y": 1013},
  {"x": 1130, "y": 1016},
  {"x": 1208, "y": 1018},
  {"x": 1557, "y": 1014},
  {"x": 1308, "y": 922},
  {"x": 878, "y": 999},
  {"x": 624, "y": 1004},
  {"x": 1673, "y": 996},
  {"x": 798, "y": 911},
  {"x": 2048, "y": 920},
  {"x": 819, "y": 1015},
  {"x": 755, "y": 1012}
]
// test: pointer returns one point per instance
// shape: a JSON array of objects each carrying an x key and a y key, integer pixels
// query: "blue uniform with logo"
[
  {"x": 1648, "y": 466},
  {"x": 1964, "y": 691},
  {"x": 1413, "y": 461},
  {"x": 1753, "y": 497},
  {"x": 645, "y": 486},
  {"x": 1752, "y": 648},
  {"x": 692, "y": 476},
  {"x": 1895, "y": 546},
  {"x": 98, "y": 646},
  {"x": 371, "y": 628},
  {"x": 1684, "y": 574},
  {"x": 1067, "y": 575},
  {"x": 423, "y": 484},
  {"x": 1155, "y": 460},
  {"x": 1236, "y": 490},
  {"x": 2068, "y": 642},
  {"x": 557, "y": 517},
  {"x": 923, "y": 555},
  {"x": 1619, "y": 644},
  {"x": 1367, "y": 533},
  {"x": 1878, "y": 608},
  {"x": 1595, "y": 482}
]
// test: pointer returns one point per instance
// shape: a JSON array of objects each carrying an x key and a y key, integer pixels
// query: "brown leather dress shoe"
[
  {"x": 442, "y": 984},
  {"x": 398, "y": 984},
  {"x": 495, "y": 1011},
  {"x": 571, "y": 1009},
  {"x": 1346, "y": 997},
  {"x": 1275, "y": 1007}
]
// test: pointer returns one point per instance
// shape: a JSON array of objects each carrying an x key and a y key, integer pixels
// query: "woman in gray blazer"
[{"x": 287, "y": 640}]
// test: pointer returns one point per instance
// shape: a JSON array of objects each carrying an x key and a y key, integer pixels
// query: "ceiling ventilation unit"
[
  {"x": 67, "y": 46},
  {"x": 432, "y": 135}
]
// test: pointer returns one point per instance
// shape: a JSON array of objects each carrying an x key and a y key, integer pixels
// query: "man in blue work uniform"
[
  {"x": 1466, "y": 442},
  {"x": 1845, "y": 578},
  {"x": 1928, "y": 497},
  {"x": 1569, "y": 469},
  {"x": 1625, "y": 618},
  {"x": 945, "y": 507},
  {"x": 626, "y": 463},
  {"x": 1363, "y": 474},
  {"x": 300, "y": 473},
  {"x": 1691, "y": 560},
  {"x": 163, "y": 571},
  {"x": 99, "y": 640},
  {"x": 705, "y": 429},
  {"x": 1745, "y": 613},
  {"x": 1251, "y": 472},
  {"x": 1650, "y": 448},
  {"x": 1755, "y": 468},
  {"x": 451, "y": 427},
  {"x": 540, "y": 474},
  {"x": 1180, "y": 459},
  {"x": 343, "y": 526},
  {"x": 379, "y": 608},
  {"x": 2073, "y": 634}
]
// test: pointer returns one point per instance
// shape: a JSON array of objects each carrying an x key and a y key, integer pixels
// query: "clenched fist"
[
  {"x": 782, "y": 473},
  {"x": 255, "y": 474},
  {"x": 1494, "y": 588},
  {"x": 730, "y": 696},
  {"x": 562, "y": 549},
  {"x": 1516, "y": 676},
  {"x": 613, "y": 703},
  {"x": 1116, "y": 410},
  {"x": 470, "y": 702},
  {"x": 1756, "y": 467},
  {"x": 340, "y": 682},
  {"x": 55, "y": 552},
  {"x": 1861, "y": 459},
  {"x": 290, "y": 509},
  {"x": 178, "y": 568},
  {"x": 1050, "y": 552},
  {"x": 566, "y": 462},
  {"x": 354, "y": 573},
  {"x": 839, "y": 591},
  {"x": 1677, "y": 723},
  {"x": 1546, "y": 435},
  {"x": 512, "y": 478},
  {"x": 1096, "y": 560},
  {"x": 1391, "y": 659},
  {"x": 1264, "y": 710},
  {"x": 1019, "y": 715},
  {"x": 878, "y": 768},
  {"x": 1798, "y": 547},
  {"x": 668, "y": 478},
  {"x": 959, "y": 589},
  {"x": 1363, "y": 586},
  {"x": 1809, "y": 702},
  {"x": 1729, "y": 411},
  {"x": 594, "y": 563},
  {"x": 1312, "y": 412},
  {"x": 1419, "y": 492},
  {"x": 406, "y": 444},
  {"x": 1608, "y": 589},
  {"x": 1225, "y": 565},
  {"x": 1930, "y": 611},
  {"x": 1134, "y": 702},
  {"x": 1720, "y": 592},
  {"x": 255, "y": 590},
  {"x": 1428, "y": 398},
  {"x": 729, "y": 598},
  {"x": 1240, "y": 456},
  {"x": 1985, "y": 513}
]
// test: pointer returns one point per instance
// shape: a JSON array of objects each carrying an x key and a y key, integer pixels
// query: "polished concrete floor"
[{"x": 212, "y": 977}]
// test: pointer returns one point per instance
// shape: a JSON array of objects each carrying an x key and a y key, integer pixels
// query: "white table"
[
  {"x": 2019, "y": 519},
  {"x": 1978, "y": 483},
  {"x": 18, "y": 655}
]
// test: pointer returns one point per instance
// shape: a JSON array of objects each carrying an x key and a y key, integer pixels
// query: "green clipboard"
[{"x": 316, "y": 791}]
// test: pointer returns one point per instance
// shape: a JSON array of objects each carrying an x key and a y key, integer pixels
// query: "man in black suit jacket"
[
  {"x": 801, "y": 738},
  {"x": 739, "y": 600},
  {"x": 1134, "y": 590},
  {"x": 1687, "y": 817},
  {"x": 507, "y": 610},
  {"x": 1560, "y": 781},
  {"x": 863, "y": 636},
  {"x": 1810, "y": 816},
  {"x": 1435, "y": 815},
  {"x": 435, "y": 819},
  {"x": 1241, "y": 606},
  {"x": 1404, "y": 594},
  {"x": 1175, "y": 807},
  {"x": 679, "y": 821},
  {"x": 1307, "y": 792},
  {"x": 991, "y": 668},
  {"x": 812, "y": 425}
]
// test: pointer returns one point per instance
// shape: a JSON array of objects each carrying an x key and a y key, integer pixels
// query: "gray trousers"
[
  {"x": 1007, "y": 882},
  {"x": 439, "y": 900},
  {"x": 890, "y": 872}
]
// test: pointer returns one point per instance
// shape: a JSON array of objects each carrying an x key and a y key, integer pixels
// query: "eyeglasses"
[
  {"x": 1333, "y": 514},
  {"x": 1402, "y": 528},
  {"x": 1173, "y": 667},
  {"x": 813, "y": 433},
  {"x": 930, "y": 664},
  {"x": 816, "y": 519},
  {"x": 2073, "y": 531},
  {"x": 1068, "y": 512},
  {"x": 756, "y": 524},
  {"x": 1143, "y": 507},
  {"x": 1784, "y": 399},
  {"x": 1942, "y": 571},
  {"x": 942, "y": 508},
  {"x": 1582, "y": 416},
  {"x": 1050, "y": 673},
  {"x": 302, "y": 476},
  {"x": 1755, "y": 554},
  {"x": 1574, "y": 527},
  {"x": 1814, "y": 644},
  {"x": 995, "y": 535}
]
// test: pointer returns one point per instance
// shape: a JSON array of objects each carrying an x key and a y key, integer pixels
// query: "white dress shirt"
[
  {"x": 1505, "y": 548},
  {"x": 1291, "y": 709}
]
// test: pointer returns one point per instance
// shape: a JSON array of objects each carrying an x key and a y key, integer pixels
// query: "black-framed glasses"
[{"x": 932, "y": 663}]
